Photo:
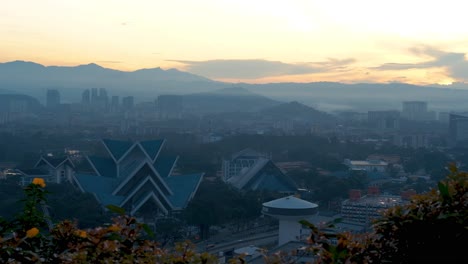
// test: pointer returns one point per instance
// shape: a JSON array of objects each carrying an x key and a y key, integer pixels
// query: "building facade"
[
  {"x": 250, "y": 170},
  {"x": 137, "y": 178},
  {"x": 363, "y": 209},
  {"x": 51, "y": 169}
]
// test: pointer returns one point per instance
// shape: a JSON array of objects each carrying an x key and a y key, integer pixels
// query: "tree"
[
  {"x": 433, "y": 227},
  {"x": 28, "y": 239}
]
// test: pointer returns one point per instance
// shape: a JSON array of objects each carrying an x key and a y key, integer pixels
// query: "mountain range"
[{"x": 146, "y": 84}]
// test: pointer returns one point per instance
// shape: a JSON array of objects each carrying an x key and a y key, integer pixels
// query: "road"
[{"x": 234, "y": 242}]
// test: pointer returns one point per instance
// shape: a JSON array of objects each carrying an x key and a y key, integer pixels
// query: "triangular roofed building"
[
  {"x": 137, "y": 178},
  {"x": 52, "y": 169},
  {"x": 251, "y": 170}
]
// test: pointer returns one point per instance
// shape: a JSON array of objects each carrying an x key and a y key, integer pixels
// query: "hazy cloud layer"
[
  {"x": 454, "y": 62},
  {"x": 257, "y": 68}
]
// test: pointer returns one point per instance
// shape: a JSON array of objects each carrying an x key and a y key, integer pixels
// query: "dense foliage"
[
  {"x": 433, "y": 227},
  {"x": 29, "y": 239}
]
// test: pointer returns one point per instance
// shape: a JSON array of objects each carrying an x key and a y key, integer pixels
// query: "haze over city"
[
  {"x": 417, "y": 42},
  {"x": 218, "y": 131}
]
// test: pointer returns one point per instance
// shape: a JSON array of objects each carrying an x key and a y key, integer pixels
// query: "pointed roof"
[
  {"x": 103, "y": 166},
  {"x": 54, "y": 161},
  {"x": 264, "y": 175},
  {"x": 152, "y": 147},
  {"x": 117, "y": 148},
  {"x": 142, "y": 186},
  {"x": 247, "y": 152},
  {"x": 102, "y": 188},
  {"x": 157, "y": 177},
  {"x": 165, "y": 165},
  {"x": 241, "y": 180},
  {"x": 184, "y": 187},
  {"x": 149, "y": 197}
]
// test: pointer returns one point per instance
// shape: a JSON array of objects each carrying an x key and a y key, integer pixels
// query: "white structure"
[
  {"x": 367, "y": 165},
  {"x": 289, "y": 211},
  {"x": 364, "y": 209},
  {"x": 51, "y": 169}
]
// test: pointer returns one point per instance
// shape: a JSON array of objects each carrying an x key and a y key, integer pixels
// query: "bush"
[
  {"x": 433, "y": 227},
  {"x": 28, "y": 239}
]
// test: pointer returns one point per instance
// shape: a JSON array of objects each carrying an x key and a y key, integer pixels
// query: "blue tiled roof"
[
  {"x": 102, "y": 187},
  {"x": 105, "y": 166},
  {"x": 34, "y": 172},
  {"x": 271, "y": 178},
  {"x": 164, "y": 165},
  {"x": 274, "y": 183},
  {"x": 152, "y": 147},
  {"x": 182, "y": 186},
  {"x": 54, "y": 161},
  {"x": 116, "y": 147}
]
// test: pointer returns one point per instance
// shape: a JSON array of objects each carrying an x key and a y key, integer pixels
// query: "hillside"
[
  {"x": 296, "y": 111},
  {"x": 233, "y": 99}
]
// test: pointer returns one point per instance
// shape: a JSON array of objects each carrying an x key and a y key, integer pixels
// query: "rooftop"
[
  {"x": 380, "y": 200},
  {"x": 290, "y": 202}
]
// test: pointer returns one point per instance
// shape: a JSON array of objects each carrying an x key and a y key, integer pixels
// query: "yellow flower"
[
  {"x": 81, "y": 233},
  {"x": 32, "y": 232},
  {"x": 113, "y": 228},
  {"x": 39, "y": 181}
]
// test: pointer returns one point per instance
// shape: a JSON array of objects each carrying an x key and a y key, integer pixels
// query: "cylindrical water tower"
[{"x": 289, "y": 211}]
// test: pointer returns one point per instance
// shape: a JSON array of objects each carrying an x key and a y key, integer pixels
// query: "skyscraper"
[
  {"x": 53, "y": 99},
  {"x": 85, "y": 97},
  {"x": 458, "y": 129},
  {"x": 127, "y": 103},
  {"x": 94, "y": 95},
  {"x": 114, "y": 107},
  {"x": 416, "y": 110}
]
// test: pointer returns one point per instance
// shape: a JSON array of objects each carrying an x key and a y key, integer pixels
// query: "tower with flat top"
[{"x": 289, "y": 211}]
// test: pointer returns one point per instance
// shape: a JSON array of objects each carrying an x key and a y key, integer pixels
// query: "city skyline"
[{"x": 418, "y": 42}]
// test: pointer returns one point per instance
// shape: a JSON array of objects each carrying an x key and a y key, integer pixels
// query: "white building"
[
  {"x": 289, "y": 211},
  {"x": 367, "y": 165},
  {"x": 51, "y": 169}
]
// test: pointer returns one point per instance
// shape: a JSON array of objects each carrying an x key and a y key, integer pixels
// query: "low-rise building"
[
  {"x": 367, "y": 165},
  {"x": 363, "y": 209},
  {"x": 51, "y": 169}
]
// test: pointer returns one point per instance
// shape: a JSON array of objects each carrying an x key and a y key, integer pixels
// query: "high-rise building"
[
  {"x": 127, "y": 103},
  {"x": 114, "y": 107},
  {"x": 458, "y": 128},
  {"x": 85, "y": 97},
  {"x": 417, "y": 110},
  {"x": 169, "y": 106},
  {"x": 94, "y": 94},
  {"x": 102, "y": 93},
  {"x": 384, "y": 120},
  {"x": 53, "y": 99}
]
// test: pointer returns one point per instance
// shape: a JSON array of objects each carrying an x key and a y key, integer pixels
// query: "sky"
[{"x": 253, "y": 41}]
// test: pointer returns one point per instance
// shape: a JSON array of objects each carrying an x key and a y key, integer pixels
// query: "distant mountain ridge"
[
  {"x": 231, "y": 99},
  {"x": 34, "y": 79},
  {"x": 297, "y": 111},
  {"x": 89, "y": 72}
]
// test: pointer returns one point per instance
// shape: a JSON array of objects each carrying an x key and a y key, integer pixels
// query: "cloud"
[
  {"x": 108, "y": 61},
  {"x": 454, "y": 62},
  {"x": 258, "y": 68}
]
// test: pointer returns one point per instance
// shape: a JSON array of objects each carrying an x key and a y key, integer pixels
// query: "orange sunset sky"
[{"x": 253, "y": 41}]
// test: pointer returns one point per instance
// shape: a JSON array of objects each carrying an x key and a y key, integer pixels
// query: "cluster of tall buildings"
[
  {"x": 458, "y": 129},
  {"x": 96, "y": 99}
]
